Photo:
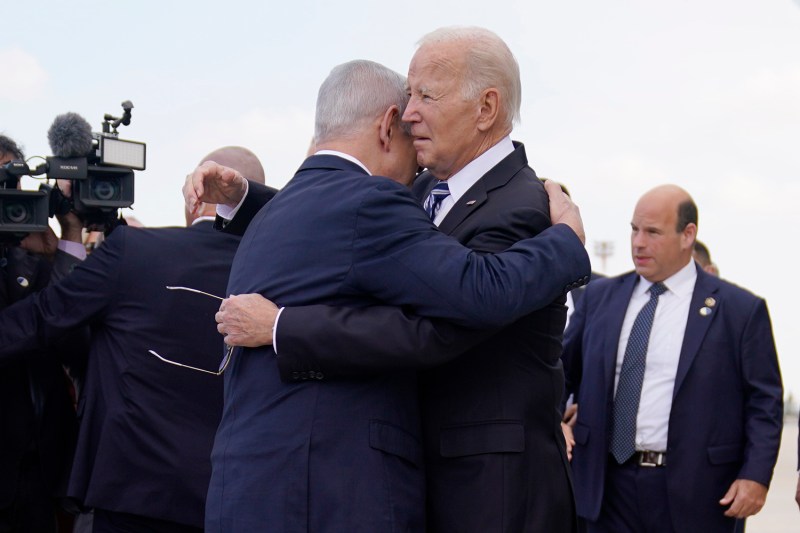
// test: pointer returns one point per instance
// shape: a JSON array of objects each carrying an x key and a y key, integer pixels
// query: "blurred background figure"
[
  {"x": 703, "y": 258},
  {"x": 37, "y": 419},
  {"x": 143, "y": 455}
]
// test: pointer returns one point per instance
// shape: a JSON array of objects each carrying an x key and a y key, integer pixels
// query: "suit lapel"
[
  {"x": 697, "y": 324},
  {"x": 618, "y": 306},
  {"x": 479, "y": 193}
]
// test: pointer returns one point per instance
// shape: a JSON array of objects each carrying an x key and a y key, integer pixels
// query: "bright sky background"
[{"x": 618, "y": 96}]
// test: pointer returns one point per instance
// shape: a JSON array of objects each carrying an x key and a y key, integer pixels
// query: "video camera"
[{"x": 99, "y": 165}]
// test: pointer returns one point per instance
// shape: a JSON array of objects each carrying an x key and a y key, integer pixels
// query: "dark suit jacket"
[
  {"x": 727, "y": 403},
  {"x": 146, "y": 427},
  {"x": 346, "y": 456},
  {"x": 494, "y": 449},
  {"x": 37, "y": 415}
]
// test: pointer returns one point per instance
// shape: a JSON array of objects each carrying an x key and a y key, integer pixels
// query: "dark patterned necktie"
[
  {"x": 629, "y": 387},
  {"x": 434, "y": 200}
]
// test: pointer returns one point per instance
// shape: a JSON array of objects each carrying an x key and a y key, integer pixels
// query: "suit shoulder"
[{"x": 732, "y": 290}]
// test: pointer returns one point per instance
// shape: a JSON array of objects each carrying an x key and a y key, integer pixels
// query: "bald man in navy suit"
[{"x": 690, "y": 444}]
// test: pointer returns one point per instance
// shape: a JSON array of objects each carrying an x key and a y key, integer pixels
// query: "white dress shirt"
[
  {"x": 663, "y": 353},
  {"x": 461, "y": 181}
]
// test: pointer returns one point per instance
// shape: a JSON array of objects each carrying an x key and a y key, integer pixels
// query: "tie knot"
[
  {"x": 441, "y": 189},
  {"x": 657, "y": 289},
  {"x": 434, "y": 201}
]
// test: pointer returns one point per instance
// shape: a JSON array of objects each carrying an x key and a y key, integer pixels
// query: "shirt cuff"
[
  {"x": 275, "y": 330},
  {"x": 75, "y": 249},
  {"x": 229, "y": 212}
]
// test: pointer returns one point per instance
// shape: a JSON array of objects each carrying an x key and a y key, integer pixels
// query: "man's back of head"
[
  {"x": 359, "y": 106},
  {"x": 237, "y": 158}
]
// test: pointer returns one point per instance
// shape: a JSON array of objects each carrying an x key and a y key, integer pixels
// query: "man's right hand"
[
  {"x": 214, "y": 184},
  {"x": 246, "y": 320},
  {"x": 563, "y": 210}
]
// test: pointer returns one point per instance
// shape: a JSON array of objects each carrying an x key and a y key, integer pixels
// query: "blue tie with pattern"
[
  {"x": 434, "y": 200},
  {"x": 629, "y": 387}
]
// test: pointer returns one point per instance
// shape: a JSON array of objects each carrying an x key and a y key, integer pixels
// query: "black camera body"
[{"x": 99, "y": 165}]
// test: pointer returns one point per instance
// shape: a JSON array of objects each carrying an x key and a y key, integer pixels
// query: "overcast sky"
[{"x": 618, "y": 96}]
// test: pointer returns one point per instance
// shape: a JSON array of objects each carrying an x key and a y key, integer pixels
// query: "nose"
[
  {"x": 637, "y": 240},
  {"x": 411, "y": 114}
]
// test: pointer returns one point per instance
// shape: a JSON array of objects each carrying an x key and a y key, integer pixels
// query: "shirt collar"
[
  {"x": 680, "y": 283},
  {"x": 203, "y": 219},
  {"x": 461, "y": 181},
  {"x": 344, "y": 156}
]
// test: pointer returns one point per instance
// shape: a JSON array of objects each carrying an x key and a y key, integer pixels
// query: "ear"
[
  {"x": 386, "y": 129},
  {"x": 689, "y": 235},
  {"x": 489, "y": 111}
]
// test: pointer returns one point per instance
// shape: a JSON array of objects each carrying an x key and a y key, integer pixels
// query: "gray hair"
[
  {"x": 353, "y": 94},
  {"x": 489, "y": 63}
]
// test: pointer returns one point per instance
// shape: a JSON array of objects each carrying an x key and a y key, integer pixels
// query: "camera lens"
[
  {"x": 105, "y": 190},
  {"x": 16, "y": 213}
]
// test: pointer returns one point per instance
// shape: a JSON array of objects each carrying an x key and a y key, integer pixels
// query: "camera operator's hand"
[
  {"x": 71, "y": 225},
  {"x": 214, "y": 184},
  {"x": 44, "y": 243}
]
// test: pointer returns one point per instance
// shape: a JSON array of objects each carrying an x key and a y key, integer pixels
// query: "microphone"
[{"x": 70, "y": 136}]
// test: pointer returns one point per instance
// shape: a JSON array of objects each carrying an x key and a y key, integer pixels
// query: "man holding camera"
[{"x": 38, "y": 419}]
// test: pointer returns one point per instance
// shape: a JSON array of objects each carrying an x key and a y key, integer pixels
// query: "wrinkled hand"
[
  {"x": 246, "y": 320},
  {"x": 214, "y": 184},
  {"x": 563, "y": 210},
  {"x": 745, "y": 498},
  {"x": 43, "y": 243}
]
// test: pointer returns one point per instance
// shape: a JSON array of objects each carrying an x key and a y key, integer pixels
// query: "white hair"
[
  {"x": 489, "y": 63},
  {"x": 353, "y": 94}
]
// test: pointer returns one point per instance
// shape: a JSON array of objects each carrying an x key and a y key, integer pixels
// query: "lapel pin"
[
  {"x": 471, "y": 202},
  {"x": 711, "y": 302},
  {"x": 23, "y": 282},
  {"x": 705, "y": 311}
]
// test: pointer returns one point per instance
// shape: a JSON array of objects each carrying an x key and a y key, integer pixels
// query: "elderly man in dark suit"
[
  {"x": 678, "y": 387},
  {"x": 146, "y": 427},
  {"x": 493, "y": 448},
  {"x": 346, "y": 456}
]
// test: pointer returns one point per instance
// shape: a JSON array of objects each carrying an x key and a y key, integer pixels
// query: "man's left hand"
[
  {"x": 745, "y": 498},
  {"x": 246, "y": 320}
]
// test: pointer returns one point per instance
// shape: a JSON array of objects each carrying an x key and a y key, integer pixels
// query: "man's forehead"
[{"x": 445, "y": 60}]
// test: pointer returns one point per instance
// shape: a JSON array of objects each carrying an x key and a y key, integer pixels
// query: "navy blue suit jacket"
[
  {"x": 490, "y": 418},
  {"x": 146, "y": 427},
  {"x": 727, "y": 403},
  {"x": 346, "y": 456}
]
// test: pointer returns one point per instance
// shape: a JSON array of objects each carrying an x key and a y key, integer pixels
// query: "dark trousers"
[
  {"x": 635, "y": 500},
  {"x": 113, "y": 522}
]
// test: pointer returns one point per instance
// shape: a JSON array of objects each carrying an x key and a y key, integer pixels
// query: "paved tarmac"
[{"x": 780, "y": 514}]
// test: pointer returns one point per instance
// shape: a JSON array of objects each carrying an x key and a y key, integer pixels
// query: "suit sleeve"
[
  {"x": 763, "y": 392},
  {"x": 344, "y": 342},
  {"x": 402, "y": 259},
  {"x": 34, "y": 322},
  {"x": 257, "y": 197}
]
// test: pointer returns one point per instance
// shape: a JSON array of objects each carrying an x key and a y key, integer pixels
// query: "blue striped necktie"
[
  {"x": 434, "y": 200},
  {"x": 629, "y": 387}
]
